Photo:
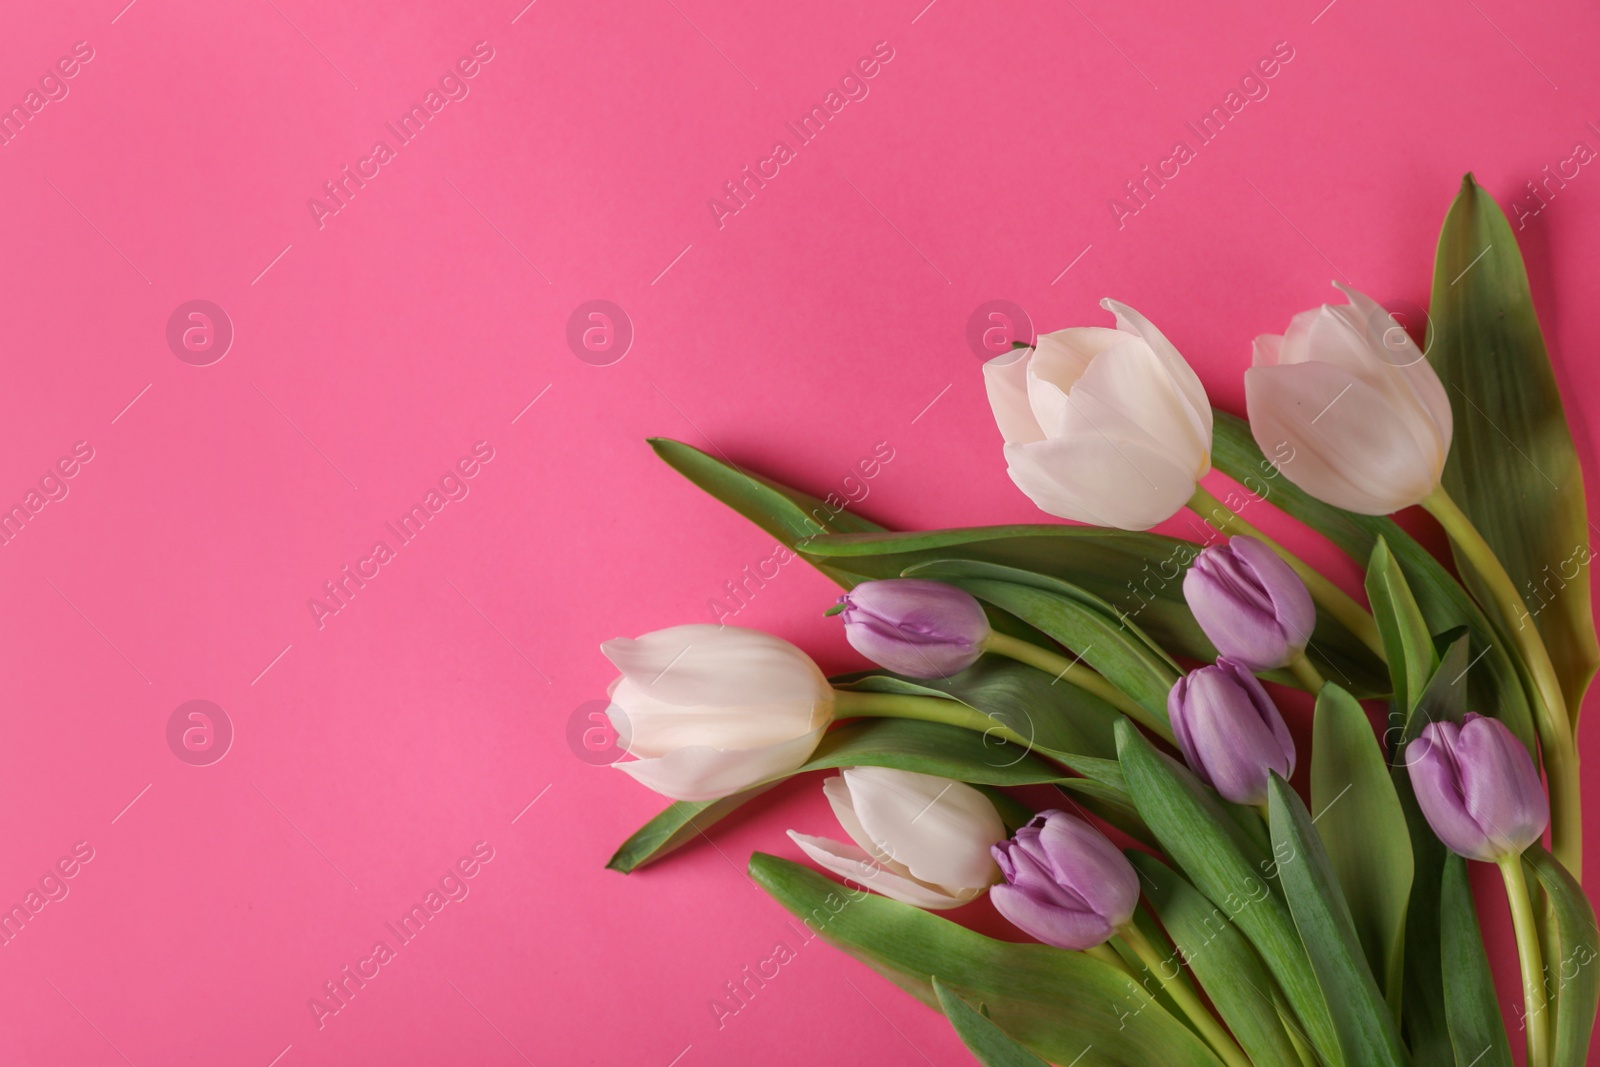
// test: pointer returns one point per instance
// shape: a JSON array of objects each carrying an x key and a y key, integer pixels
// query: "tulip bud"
[
  {"x": 913, "y": 627},
  {"x": 1230, "y": 732},
  {"x": 1250, "y": 603},
  {"x": 1066, "y": 884},
  {"x": 919, "y": 839},
  {"x": 1478, "y": 787},
  {"x": 1109, "y": 427},
  {"x": 712, "y": 710},
  {"x": 1349, "y": 408}
]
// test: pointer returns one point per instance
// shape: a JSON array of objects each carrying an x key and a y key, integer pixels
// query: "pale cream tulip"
[
  {"x": 711, "y": 710},
  {"x": 1346, "y": 405},
  {"x": 919, "y": 839},
  {"x": 1109, "y": 427}
]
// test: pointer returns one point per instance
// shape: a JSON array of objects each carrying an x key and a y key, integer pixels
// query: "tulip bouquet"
[{"x": 1176, "y": 899}]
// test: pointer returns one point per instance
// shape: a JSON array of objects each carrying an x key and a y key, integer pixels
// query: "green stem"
[
  {"x": 1333, "y": 600},
  {"x": 1528, "y": 951},
  {"x": 1549, "y": 705},
  {"x": 1079, "y": 674},
  {"x": 1178, "y": 989},
  {"x": 1309, "y": 676},
  {"x": 849, "y": 704}
]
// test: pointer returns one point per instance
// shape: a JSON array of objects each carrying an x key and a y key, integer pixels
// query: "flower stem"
[
  {"x": 1309, "y": 676},
  {"x": 850, "y": 704},
  {"x": 1528, "y": 951},
  {"x": 1549, "y": 704},
  {"x": 1176, "y": 988},
  {"x": 1333, "y": 600},
  {"x": 1079, "y": 674}
]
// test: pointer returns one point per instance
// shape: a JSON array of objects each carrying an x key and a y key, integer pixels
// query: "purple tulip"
[
  {"x": 1478, "y": 787},
  {"x": 1066, "y": 884},
  {"x": 1230, "y": 731},
  {"x": 1251, "y": 605},
  {"x": 913, "y": 627}
]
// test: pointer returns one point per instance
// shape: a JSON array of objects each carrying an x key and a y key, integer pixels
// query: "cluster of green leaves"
[{"x": 1344, "y": 938}]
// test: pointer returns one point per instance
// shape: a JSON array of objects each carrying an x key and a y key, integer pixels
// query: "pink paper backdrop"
[{"x": 376, "y": 346}]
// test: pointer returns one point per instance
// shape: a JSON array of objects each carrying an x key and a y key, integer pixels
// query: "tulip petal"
[
  {"x": 700, "y": 772},
  {"x": 1177, "y": 368},
  {"x": 1005, "y": 379},
  {"x": 1292, "y": 605},
  {"x": 1401, "y": 355},
  {"x": 1058, "y": 363},
  {"x": 702, "y": 664},
  {"x": 837, "y": 791},
  {"x": 940, "y": 829},
  {"x": 1085, "y": 861},
  {"x": 1436, "y": 780},
  {"x": 1348, "y": 445},
  {"x": 1231, "y": 744},
  {"x": 1061, "y": 927},
  {"x": 1500, "y": 785},
  {"x": 723, "y": 687},
  {"x": 850, "y": 862},
  {"x": 1092, "y": 478}
]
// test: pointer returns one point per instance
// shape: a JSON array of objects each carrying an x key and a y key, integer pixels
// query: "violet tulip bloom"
[
  {"x": 1478, "y": 787},
  {"x": 1250, "y": 603},
  {"x": 1066, "y": 884},
  {"x": 1229, "y": 730},
  {"x": 915, "y": 627}
]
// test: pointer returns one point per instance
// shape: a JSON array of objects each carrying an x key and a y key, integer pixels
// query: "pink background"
[{"x": 373, "y": 352}]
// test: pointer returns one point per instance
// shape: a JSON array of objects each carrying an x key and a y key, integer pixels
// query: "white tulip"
[
  {"x": 1348, "y": 408},
  {"x": 711, "y": 710},
  {"x": 919, "y": 839},
  {"x": 1109, "y": 427}
]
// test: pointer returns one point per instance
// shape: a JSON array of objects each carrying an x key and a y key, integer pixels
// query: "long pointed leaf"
[
  {"x": 1476, "y": 1029},
  {"x": 1512, "y": 467},
  {"x": 1572, "y": 970},
  {"x": 992, "y": 1046},
  {"x": 1367, "y": 1034},
  {"x": 1364, "y": 830},
  {"x": 1220, "y": 861},
  {"x": 1222, "y": 960},
  {"x": 1066, "y": 1006}
]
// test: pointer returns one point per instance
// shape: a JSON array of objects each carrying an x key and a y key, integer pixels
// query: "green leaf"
[
  {"x": 1367, "y": 1033},
  {"x": 1571, "y": 969},
  {"x": 1227, "y": 968},
  {"x": 787, "y": 514},
  {"x": 1086, "y": 625},
  {"x": 1476, "y": 1030},
  {"x": 1066, "y": 1006},
  {"x": 1364, "y": 830},
  {"x": 1425, "y": 1024},
  {"x": 1512, "y": 467},
  {"x": 1443, "y": 602},
  {"x": 1140, "y": 575},
  {"x": 992, "y": 1046},
  {"x": 1203, "y": 839},
  {"x": 925, "y": 747},
  {"x": 1406, "y": 639}
]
